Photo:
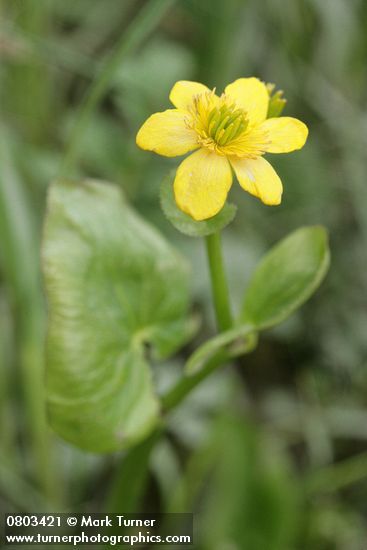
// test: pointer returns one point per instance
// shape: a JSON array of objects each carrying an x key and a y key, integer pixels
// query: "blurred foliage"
[{"x": 243, "y": 450}]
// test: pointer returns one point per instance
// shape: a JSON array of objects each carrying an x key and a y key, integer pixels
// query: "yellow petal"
[
  {"x": 167, "y": 134},
  {"x": 183, "y": 91},
  {"x": 285, "y": 134},
  {"x": 259, "y": 178},
  {"x": 252, "y": 96},
  {"x": 202, "y": 183}
]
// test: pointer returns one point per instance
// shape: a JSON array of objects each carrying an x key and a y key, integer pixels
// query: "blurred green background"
[{"x": 270, "y": 454}]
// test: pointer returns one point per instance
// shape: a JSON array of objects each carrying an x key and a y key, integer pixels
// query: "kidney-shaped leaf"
[
  {"x": 286, "y": 277},
  {"x": 113, "y": 284}
]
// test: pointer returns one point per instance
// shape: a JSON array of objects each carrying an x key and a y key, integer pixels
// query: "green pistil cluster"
[{"x": 226, "y": 124}]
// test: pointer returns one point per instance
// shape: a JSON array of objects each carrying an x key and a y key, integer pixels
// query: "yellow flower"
[{"x": 228, "y": 132}]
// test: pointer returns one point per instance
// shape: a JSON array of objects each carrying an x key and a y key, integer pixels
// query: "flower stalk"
[{"x": 218, "y": 282}]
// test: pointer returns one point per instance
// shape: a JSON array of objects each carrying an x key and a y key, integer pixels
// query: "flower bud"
[{"x": 276, "y": 101}]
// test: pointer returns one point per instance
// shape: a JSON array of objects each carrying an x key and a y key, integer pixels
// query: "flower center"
[
  {"x": 225, "y": 123},
  {"x": 218, "y": 122}
]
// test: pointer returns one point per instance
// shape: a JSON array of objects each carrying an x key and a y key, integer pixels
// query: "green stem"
[
  {"x": 223, "y": 355},
  {"x": 146, "y": 20},
  {"x": 130, "y": 477},
  {"x": 219, "y": 283},
  {"x": 184, "y": 386},
  {"x": 224, "y": 320}
]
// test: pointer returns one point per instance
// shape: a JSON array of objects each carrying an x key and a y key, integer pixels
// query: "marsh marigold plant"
[{"x": 227, "y": 133}]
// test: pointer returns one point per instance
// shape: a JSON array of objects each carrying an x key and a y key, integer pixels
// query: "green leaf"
[
  {"x": 113, "y": 285},
  {"x": 183, "y": 222},
  {"x": 286, "y": 277},
  {"x": 234, "y": 342}
]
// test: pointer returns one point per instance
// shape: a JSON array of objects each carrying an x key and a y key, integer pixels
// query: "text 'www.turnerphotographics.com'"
[{"x": 99, "y": 529}]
